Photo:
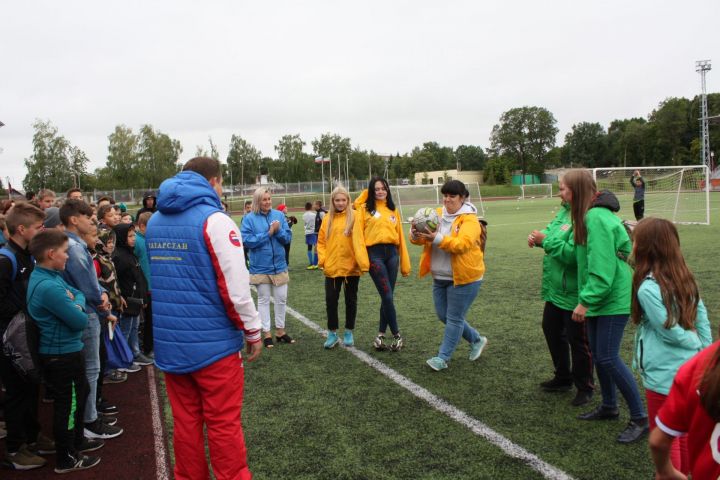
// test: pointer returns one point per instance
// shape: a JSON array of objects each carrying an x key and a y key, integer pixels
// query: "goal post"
[
  {"x": 409, "y": 198},
  {"x": 680, "y": 194},
  {"x": 536, "y": 190}
]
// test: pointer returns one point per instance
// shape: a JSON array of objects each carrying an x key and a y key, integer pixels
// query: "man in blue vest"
[{"x": 203, "y": 314}]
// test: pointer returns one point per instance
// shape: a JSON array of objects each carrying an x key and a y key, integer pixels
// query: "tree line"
[{"x": 525, "y": 139}]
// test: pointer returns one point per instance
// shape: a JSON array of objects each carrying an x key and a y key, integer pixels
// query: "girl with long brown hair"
[
  {"x": 604, "y": 282},
  {"x": 672, "y": 320}
]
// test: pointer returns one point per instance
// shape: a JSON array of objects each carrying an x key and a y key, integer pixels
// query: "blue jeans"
[
  {"x": 91, "y": 352},
  {"x": 384, "y": 261},
  {"x": 605, "y": 334},
  {"x": 451, "y": 305},
  {"x": 129, "y": 328}
]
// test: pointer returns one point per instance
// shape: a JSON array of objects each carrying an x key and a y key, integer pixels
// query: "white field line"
[
  {"x": 161, "y": 471},
  {"x": 476, "y": 426}
]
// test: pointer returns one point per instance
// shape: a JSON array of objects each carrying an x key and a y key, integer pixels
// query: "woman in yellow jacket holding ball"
[
  {"x": 453, "y": 254},
  {"x": 379, "y": 246},
  {"x": 337, "y": 259}
]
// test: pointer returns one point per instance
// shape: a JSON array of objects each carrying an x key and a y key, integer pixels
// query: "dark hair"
[
  {"x": 308, "y": 205},
  {"x": 106, "y": 199},
  {"x": 23, "y": 213},
  {"x": 71, "y": 191},
  {"x": 74, "y": 208},
  {"x": 455, "y": 187},
  {"x": 370, "y": 202},
  {"x": 103, "y": 210},
  {"x": 205, "y": 166},
  {"x": 29, "y": 195},
  {"x": 47, "y": 240},
  {"x": 248, "y": 202},
  {"x": 657, "y": 252}
]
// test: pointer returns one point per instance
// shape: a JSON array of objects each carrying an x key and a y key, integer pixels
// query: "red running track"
[{"x": 132, "y": 455}]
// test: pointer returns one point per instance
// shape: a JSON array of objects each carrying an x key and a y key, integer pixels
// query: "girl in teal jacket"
[
  {"x": 604, "y": 284},
  {"x": 672, "y": 320}
]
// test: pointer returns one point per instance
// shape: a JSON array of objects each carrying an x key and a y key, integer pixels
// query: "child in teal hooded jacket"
[{"x": 672, "y": 319}]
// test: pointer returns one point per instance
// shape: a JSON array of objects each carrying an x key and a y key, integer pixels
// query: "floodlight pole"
[{"x": 702, "y": 67}]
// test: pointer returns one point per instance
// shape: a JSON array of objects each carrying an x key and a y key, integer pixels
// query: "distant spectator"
[
  {"x": 108, "y": 216},
  {"x": 148, "y": 203},
  {"x": 126, "y": 218},
  {"x": 310, "y": 235},
  {"x": 30, "y": 195},
  {"x": 638, "y": 185},
  {"x": 45, "y": 198},
  {"x": 105, "y": 201},
  {"x": 52, "y": 218},
  {"x": 142, "y": 256},
  {"x": 74, "y": 193}
]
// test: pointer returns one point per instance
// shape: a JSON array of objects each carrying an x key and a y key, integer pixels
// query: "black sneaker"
[
  {"x": 581, "y": 398},
  {"x": 72, "y": 463},
  {"x": 600, "y": 413},
  {"x": 397, "y": 343},
  {"x": 99, "y": 429},
  {"x": 635, "y": 430},
  {"x": 106, "y": 408},
  {"x": 108, "y": 420},
  {"x": 556, "y": 385},
  {"x": 90, "y": 445}
]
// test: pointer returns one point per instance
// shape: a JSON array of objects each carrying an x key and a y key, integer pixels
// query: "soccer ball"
[{"x": 425, "y": 218}]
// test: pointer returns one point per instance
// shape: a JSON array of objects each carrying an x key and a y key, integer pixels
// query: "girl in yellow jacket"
[
  {"x": 337, "y": 259},
  {"x": 380, "y": 248},
  {"x": 453, "y": 253}
]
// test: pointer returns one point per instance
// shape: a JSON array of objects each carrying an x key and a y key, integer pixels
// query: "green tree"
[
  {"x": 586, "y": 145},
  {"x": 628, "y": 142},
  {"x": 525, "y": 135},
  {"x": 470, "y": 157},
  {"x": 335, "y": 147},
  {"x": 158, "y": 157},
  {"x": 498, "y": 171},
  {"x": 54, "y": 160},
  {"x": 243, "y": 160},
  {"x": 672, "y": 131},
  {"x": 292, "y": 164},
  {"x": 121, "y": 168}
]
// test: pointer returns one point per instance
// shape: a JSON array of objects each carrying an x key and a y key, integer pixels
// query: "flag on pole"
[{"x": 322, "y": 159}]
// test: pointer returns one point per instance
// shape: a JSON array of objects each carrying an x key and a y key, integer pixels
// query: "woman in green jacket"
[
  {"x": 604, "y": 286},
  {"x": 559, "y": 290}
]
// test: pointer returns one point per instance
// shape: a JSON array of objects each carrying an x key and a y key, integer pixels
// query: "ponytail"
[{"x": 710, "y": 388}]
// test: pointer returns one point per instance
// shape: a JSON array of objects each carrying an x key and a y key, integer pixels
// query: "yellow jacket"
[
  {"x": 384, "y": 226},
  {"x": 335, "y": 251},
  {"x": 463, "y": 244}
]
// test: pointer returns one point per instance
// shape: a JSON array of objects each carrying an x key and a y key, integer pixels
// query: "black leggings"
[
  {"x": 565, "y": 337},
  {"x": 639, "y": 209},
  {"x": 332, "y": 295}
]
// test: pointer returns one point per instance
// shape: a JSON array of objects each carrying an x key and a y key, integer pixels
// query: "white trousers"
[{"x": 280, "y": 295}]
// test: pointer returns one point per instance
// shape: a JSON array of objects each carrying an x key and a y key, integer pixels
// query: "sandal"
[
  {"x": 268, "y": 342},
  {"x": 284, "y": 338}
]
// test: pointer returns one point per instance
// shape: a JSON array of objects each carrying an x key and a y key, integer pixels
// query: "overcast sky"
[{"x": 388, "y": 74}]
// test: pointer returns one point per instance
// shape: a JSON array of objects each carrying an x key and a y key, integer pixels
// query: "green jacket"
[
  {"x": 559, "y": 281},
  {"x": 604, "y": 279},
  {"x": 60, "y": 319},
  {"x": 660, "y": 351}
]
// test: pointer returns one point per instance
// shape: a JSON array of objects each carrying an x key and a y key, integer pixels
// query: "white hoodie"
[{"x": 440, "y": 265}]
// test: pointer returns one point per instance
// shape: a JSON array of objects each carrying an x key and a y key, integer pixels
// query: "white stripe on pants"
[{"x": 280, "y": 295}]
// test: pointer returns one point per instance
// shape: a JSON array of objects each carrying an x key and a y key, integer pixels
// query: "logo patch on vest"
[
  {"x": 235, "y": 239},
  {"x": 392, "y": 218},
  {"x": 565, "y": 227}
]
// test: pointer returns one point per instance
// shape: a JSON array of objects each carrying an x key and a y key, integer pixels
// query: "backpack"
[
  {"x": 318, "y": 220},
  {"x": 21, "y": 338}
]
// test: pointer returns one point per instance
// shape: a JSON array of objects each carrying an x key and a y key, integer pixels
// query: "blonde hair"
[
  {"x": 349, "y": 217},
  {"x": 257, "y": 197}
]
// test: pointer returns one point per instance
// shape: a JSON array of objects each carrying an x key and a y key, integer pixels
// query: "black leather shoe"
[
  {"x": 635, "y": 430},
  {"x": 583, "y": 397},
  {"x": 556, "y": 385},
  {"x": 600, "y": 413}
]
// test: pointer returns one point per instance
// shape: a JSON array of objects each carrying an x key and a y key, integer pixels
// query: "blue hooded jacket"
[
  {"x": 191, "y": 327},
  {"x": 267, "y": 253}
]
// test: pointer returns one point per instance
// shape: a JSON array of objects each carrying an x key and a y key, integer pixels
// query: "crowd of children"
[
  {"x": 79, "y": 271},
  {"x": 83, "y": 269}
]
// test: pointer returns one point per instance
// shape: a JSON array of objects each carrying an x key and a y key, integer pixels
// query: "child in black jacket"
[{"x": 133, "y": 287}]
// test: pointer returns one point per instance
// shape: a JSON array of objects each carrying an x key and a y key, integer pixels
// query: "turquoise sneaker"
[
  {"x": 437, "y": 363},
  {"x": 332, "y": 340},
  {"x": 477, "y": 348},
  {"x": 348, "y": 339}
]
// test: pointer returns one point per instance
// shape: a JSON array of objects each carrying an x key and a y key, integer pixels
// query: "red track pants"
[{"x": 211, "y": 396}]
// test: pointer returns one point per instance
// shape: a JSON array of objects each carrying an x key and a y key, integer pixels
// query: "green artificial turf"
[{"x": 313, "y": 413}]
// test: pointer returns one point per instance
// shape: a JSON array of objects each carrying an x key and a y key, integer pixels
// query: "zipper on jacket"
[
  {"x": 640, "y": 362},
  {"x": 267, "y": 219}
]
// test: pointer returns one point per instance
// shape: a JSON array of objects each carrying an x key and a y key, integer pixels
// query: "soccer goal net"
[
  {"x": 680, "y": 194},
  {"x": 409, "y": 198},
  {"x": 537, "y": 190}
]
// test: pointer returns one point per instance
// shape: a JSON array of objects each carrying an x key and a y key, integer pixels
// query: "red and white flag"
[{"x": 322, "y": 159}]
